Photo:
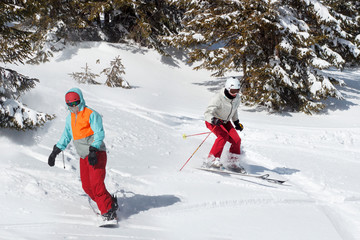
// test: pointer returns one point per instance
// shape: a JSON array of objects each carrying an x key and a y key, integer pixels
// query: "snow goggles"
[
  {"x": 233, "y": 91},
  {"x": 73, "y": 104}
]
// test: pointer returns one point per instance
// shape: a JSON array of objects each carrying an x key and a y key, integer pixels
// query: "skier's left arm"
[{"x": 98, "y": 129}]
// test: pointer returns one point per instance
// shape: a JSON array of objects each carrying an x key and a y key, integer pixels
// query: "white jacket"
[{"x": 223, "y": 108}]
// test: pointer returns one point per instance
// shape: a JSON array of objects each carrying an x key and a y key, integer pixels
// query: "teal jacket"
[{"x": 85, "y": 128}]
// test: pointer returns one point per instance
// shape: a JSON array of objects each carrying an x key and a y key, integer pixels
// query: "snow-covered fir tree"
[
  {"x": 15, "y": 39},
  {"x": 16, "y": 45},
  {"x": 281, "y": 46},
  {"x": 14, "y": 114},
  {"x": 54, "y": 23},
  {"x": 85, "y": 77},
  {"x": 114, "y": 74},
  {"x": 142, "y": 21}
]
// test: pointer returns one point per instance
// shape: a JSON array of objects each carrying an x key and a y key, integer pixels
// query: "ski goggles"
[
  {"x": 73, "y": 104},
  {"x": 233, "y": 91}
]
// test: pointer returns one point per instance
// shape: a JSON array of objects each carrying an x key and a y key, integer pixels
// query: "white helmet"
[{"x": 232, "y": 83}]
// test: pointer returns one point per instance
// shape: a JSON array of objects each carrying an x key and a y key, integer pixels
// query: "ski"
[{"x": 265, "y": 177}]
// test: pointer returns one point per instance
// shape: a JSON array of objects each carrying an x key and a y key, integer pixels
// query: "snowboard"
[{"x": 108, "y": 224}]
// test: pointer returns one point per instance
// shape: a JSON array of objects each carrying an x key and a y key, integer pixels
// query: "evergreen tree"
[
  {"x": 280, "y": 46},
  {"x": 61, "y": 22},
  {"x": 15, "y": 39},
  {"x": 54, "y": 23},
  {"x": 142, "y": 21},
  {"x": 64, "y": 21},
  {"x": 114, "y": 74},
  {"x": 14, "y": 114},
  {"x": 85, "y": 77},
  {"x": 16, "y": 45}
]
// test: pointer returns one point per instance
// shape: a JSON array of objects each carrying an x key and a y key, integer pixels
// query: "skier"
[
  {"x": 85, "y": 127},
  {"x": 223, "y": 108}
]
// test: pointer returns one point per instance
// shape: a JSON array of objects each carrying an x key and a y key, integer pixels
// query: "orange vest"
[{"x": 80, "y": 124}]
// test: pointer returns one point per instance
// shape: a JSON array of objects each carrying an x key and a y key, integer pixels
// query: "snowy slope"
[{"x": 317, "y": 155}]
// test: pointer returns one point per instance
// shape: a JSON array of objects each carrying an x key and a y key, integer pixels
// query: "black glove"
[
  {"x": 216, "y": 121},
  {"x": 238, "y": 125},
  {"x": 92, "y": 156},
  {"x": 54, "y": 153}
]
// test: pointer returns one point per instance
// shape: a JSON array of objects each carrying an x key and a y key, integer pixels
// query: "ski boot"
[
  {"x": 233, "y": 163},
  {"x": 215, "y": 163}
]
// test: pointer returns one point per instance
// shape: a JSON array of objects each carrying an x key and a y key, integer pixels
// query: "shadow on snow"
[
  {"x": 256, "y": 169},
  {"x": 132, "y": 204}
]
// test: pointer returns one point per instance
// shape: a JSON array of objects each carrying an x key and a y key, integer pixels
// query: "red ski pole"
[{"x": 198, "y": 148}]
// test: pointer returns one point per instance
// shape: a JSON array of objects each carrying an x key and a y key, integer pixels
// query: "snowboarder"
[
  {"x": 223, "y": 108},
  {"x": 85, "y": 127}
]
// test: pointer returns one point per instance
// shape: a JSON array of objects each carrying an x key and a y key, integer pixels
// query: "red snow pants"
[
  {"x": 92, "y": 179},
  {"x": 225, "y": 133}
]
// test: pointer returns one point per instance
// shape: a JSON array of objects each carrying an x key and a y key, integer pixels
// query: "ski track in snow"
[{"x": 332, "y": 202}]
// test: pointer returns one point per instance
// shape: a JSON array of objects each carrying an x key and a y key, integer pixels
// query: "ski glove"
[
  {"x": 92, "y": 156},
  {"x": 238, "y": 125},
  {"x": 216, "y": 121},
  {"x": 54, "y": 153}
]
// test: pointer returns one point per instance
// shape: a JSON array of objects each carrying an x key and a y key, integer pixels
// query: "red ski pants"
[
  {"x": 225, "y": 133},
  {"x": 92, "y": 179}
]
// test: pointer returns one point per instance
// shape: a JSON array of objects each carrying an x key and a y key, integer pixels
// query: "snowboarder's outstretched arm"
[
  {"x": 62, "y": 143},
  {"x": 66, "y": 136}
]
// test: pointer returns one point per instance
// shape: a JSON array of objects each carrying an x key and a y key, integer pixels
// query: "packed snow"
[{"x": 318, "y": 156}]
